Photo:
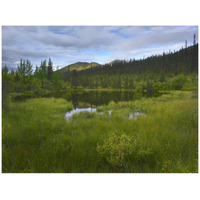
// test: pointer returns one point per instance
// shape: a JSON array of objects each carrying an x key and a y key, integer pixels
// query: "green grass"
[{"x": 37, "y": 138}]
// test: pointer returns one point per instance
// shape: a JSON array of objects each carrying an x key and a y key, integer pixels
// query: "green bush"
[
  {"x": 179, "y": 81},
  {"x": 144, "y": 157},
  {"x": 83, "y": 115},
  {"x": 6, "y": 101},
  {"x": 101, "y": 108},
  {"x": 112, "y": 105},
  {"x": 116, "y": 150},
  {"x": 170, "y": 166}
]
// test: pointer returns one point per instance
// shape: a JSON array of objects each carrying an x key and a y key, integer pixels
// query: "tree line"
[
  {"x": 125, "y": 74},
  {"x": 169, "y": 71}
]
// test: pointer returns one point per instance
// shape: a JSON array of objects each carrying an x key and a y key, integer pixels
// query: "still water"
[
  {"x": 68, "y": 115},
  {"x": 89, "y": 100},
  {"x": 92, "y": 99}
]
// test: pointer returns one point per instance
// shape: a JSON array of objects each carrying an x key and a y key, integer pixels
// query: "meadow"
[{"x": 36, "y": 138}]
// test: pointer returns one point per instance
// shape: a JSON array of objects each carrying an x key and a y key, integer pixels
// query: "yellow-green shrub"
[{"x": 116, "y": 149}]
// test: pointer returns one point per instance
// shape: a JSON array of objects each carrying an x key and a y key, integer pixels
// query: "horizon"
[{"x": 67, "y": 45}]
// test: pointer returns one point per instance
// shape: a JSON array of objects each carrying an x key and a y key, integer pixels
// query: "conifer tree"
[
  {"x": 24, "y": 68},
  {"x": 43, "y": 71},
  {"x": 49, "y": 69}
]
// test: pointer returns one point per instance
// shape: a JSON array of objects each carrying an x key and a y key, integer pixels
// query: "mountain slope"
[
  {"x": 115, "y": 61},
  {"x": 79, "y": 66}
]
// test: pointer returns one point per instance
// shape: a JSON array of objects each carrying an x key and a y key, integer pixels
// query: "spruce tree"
[{"x": 49, "y": 69}]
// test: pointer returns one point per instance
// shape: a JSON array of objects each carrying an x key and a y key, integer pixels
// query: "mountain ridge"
[{"x": 78, "y": 66}]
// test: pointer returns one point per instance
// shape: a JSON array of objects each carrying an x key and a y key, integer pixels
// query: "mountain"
[
  {"x": 79, "y": 66},
  {"x": 115, "y": 61}
]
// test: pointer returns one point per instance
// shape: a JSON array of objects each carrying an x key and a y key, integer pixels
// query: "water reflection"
[
  {"x": 68, "y": 115},
  {"x": 96, "y": 98},
  {"x": 82, "y": 99},
  {"x": 135, "y": 115}
]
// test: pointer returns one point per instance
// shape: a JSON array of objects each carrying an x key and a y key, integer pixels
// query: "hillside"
[
  {"x": 115, "y": 61},
  {"x": 182, "y": 61},
  {"x": 79, "y": 66},
  {"x": 136, "y": 73}
]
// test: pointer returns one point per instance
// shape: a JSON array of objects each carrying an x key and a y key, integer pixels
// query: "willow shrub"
[{"x": 116, "y": 150}]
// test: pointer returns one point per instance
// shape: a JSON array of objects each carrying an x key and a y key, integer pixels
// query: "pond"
[
  {"x": 89, "y": 100},
  {"x": 92, "y": 99}
]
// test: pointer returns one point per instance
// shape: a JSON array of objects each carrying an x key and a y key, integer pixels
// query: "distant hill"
[
  {"x": 79, "y": 66},
  {"x": 115, "y": 61}
]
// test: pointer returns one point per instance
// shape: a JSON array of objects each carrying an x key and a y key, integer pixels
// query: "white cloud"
[{"x": 89, "y": 43}]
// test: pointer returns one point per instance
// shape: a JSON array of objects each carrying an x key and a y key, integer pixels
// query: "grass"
[{"x": 36, "y": 137}]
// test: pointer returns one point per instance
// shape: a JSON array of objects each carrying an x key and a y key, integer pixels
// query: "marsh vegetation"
[{"x": 37, "y": 138}]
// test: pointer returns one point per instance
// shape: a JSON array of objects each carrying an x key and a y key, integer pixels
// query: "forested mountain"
[
  {"x": 183, "y": 61},
  {"x": 79, "y": 66},
  {"x": 123, "y": 74},
  {"x": 115, "y": 61}
]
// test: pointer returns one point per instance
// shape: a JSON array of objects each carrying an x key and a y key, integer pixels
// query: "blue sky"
[{"x": 102, "y": 44}]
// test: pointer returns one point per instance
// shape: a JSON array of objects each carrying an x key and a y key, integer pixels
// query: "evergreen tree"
[
  {"x": 149, "y": 88},
  {"x": 49, "y": 69},
  {"x": 131, "y": 84},
  {"x": 36, "y": 73},
  {"x": 43, "y": 71},
  {"x": 74, "y": 79},
  {"x": 24, "y": 69},
  {"x": 5, "y": 87},
  {"x": 5, "y": 72}
]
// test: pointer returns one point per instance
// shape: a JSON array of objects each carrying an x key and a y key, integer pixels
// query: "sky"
[{"x": 69, "y": 44}]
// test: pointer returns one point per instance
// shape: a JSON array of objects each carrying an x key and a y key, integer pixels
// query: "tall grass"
[{"x": 37, "y": 138}]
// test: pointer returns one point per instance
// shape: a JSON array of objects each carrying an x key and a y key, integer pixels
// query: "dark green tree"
[
  {"x": 149, "y": 88},
  {"x": 24, "y": 69},
  {"x": 5, "y": 88},
  {"x": 49, "y": 69},
  {"x": 43, "y": 71}
]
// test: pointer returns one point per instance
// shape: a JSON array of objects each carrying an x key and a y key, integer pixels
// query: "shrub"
[
  {"x": 144, "y": 157},
  {"x": 116, "y": 150},
  {"x": 112, "y": 105},
  {"x": 179, "y": 81},
  {"x": 6, "y": 101},
  {"x": 170, "y": 166},
  {"x": 83, "y": 115},
  {"x": 101, "y": 108}
]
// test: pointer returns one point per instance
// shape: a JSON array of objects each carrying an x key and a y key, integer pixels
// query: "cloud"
[{"x": 68, "y": 44}]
